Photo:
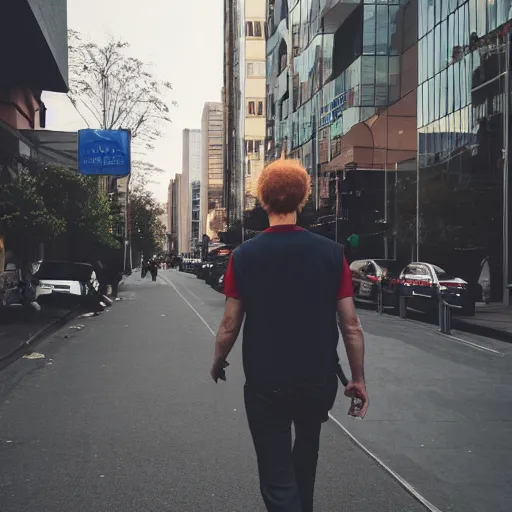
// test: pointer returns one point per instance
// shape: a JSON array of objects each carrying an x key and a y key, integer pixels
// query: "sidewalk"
[
  {"x": 493, "y": 320},
  {"x": 17, "y": 326}
]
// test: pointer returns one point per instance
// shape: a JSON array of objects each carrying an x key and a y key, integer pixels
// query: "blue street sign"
[{"x": 104, "y": 152}]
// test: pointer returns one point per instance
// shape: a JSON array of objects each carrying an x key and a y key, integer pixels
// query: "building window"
[
  {"x": 256, "y": 69},
  {"x": 256, "y": 108},
  {"x": 253, "y": 147},
  {"x": 253, "y": 29},
  {"x": 249, "y": 168}
]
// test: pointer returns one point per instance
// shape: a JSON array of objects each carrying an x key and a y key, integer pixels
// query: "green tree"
[
  {"x": 25, "y": 219},
  {"x": 147, "y": 231},
  {"x": 86, "y": 215}
]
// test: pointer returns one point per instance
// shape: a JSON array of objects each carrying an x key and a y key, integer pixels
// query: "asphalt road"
[{"x": 121, "y": 415}]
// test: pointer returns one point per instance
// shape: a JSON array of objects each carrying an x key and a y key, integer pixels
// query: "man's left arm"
[{"x": 229, "y": 330}]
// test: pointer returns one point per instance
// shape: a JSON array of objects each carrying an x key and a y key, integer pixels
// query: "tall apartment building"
[
  {"x": 244, "y": 102},
  {"x": 212, "y": 140},
  {"x": 192, "y": 176}
]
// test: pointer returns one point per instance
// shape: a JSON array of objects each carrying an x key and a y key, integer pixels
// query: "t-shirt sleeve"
[
  {"x": 345, "y": 288},
  {"x": 230, "y": 287}
]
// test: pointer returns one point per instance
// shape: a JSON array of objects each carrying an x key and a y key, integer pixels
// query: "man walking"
[{"x": 292, "y": 286}]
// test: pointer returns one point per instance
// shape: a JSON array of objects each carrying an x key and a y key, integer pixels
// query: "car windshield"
[
  {"x": 441, "y": 274},
  {"x": 389, "y": 267}
]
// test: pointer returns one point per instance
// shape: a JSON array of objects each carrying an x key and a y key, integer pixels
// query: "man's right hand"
[{"x": 357, "y": 389}]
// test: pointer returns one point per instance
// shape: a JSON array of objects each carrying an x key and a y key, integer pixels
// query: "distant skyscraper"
[
  {"x": 192, "y": 175},
  {"x": 212, "y": 132}
]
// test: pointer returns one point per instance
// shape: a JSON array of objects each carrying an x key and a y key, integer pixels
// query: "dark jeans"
[{"x": 287, "y": 475}]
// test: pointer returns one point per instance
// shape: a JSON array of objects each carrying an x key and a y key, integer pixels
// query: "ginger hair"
[{"x": 284, "y": 187}]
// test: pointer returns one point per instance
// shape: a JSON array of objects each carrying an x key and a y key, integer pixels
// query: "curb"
[
  {"x": 481, "y": 330},
  {"x": 458, "y": 324},
  {"x": 42, "y": 333}
]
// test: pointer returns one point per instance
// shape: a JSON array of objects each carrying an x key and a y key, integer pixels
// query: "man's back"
[{"x": 288, "y": 280}]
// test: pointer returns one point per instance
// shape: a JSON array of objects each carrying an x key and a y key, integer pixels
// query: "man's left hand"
[{"x": 218, "y": 370}]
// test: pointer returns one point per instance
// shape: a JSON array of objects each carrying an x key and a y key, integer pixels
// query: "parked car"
[
  {"x": 219, "y": 254},
  {"x": 368, "y": 275},
  {"x": 421, "y": 284},
  {"x": 217, "y": 271},
  {"x": 189, "y": 265},
  {"x": 65, "y": 277},
  {"x": 17, "y": 291}
]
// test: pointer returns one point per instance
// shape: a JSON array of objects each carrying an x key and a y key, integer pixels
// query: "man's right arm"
[{"x": 353, "y": 338}]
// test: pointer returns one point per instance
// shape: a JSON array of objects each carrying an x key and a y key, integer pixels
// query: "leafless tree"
[
  {"x": 144, "y": 174},
  {"x": 112, "y": 90}
]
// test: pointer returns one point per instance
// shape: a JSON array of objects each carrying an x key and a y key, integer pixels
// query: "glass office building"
[
  {"x": 341, "y": 97},
  {"x": 463, "y": 138}
]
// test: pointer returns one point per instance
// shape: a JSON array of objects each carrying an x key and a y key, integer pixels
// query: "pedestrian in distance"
[
  {"x": 153, "y": 269},
  {"x": 294, "y": 289}
]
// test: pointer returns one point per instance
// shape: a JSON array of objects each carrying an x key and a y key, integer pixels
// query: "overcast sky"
[{"x": 183, "y": 39}]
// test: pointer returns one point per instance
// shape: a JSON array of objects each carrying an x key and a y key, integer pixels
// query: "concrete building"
[
  {"x": 176, "y": 224},
  {"x": 34, "y": 57},
  {"x": 212, "y": 136},
  {"x": 171, "y": 243},
  {"x": 192, "y": 172},
  {"x": 244, "y": 100}
]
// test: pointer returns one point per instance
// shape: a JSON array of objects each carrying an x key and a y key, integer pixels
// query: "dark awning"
[{"x": 33, "y": 38}]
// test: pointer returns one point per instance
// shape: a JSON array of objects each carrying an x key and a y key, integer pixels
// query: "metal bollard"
[
  {"x": 402, "y": 307},
  {"x": 445, "y": 317}
]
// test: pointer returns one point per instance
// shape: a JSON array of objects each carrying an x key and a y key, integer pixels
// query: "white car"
[{"x": 65, "y": 277}]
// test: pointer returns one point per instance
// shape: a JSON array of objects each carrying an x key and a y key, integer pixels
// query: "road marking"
[
  {"x": 168, "y": 281},
  {"x": 195, "y": 296},
  {"x": 473, "y": 345},
  {"x": 406, "y": 485}
]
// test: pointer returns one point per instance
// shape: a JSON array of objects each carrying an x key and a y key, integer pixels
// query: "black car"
[
  {"x": 219, "y": 254},
  {"x": 217, "y": 271}
]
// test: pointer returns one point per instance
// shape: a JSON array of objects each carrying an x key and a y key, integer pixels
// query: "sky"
[{"x": 182, "y": 39}]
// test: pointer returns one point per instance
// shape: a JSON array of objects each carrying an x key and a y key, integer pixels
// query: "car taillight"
[
  {"x": 416, "y": 282},
  {"x": 459, "y": 286}
]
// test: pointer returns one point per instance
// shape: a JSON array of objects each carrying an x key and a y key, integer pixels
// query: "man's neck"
[{"x": 282, "y": 220}]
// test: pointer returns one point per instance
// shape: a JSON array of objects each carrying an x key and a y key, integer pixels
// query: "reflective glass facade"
[
  {"x": 462, "y": 119},
  {"x": 341, "y": 97}
]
